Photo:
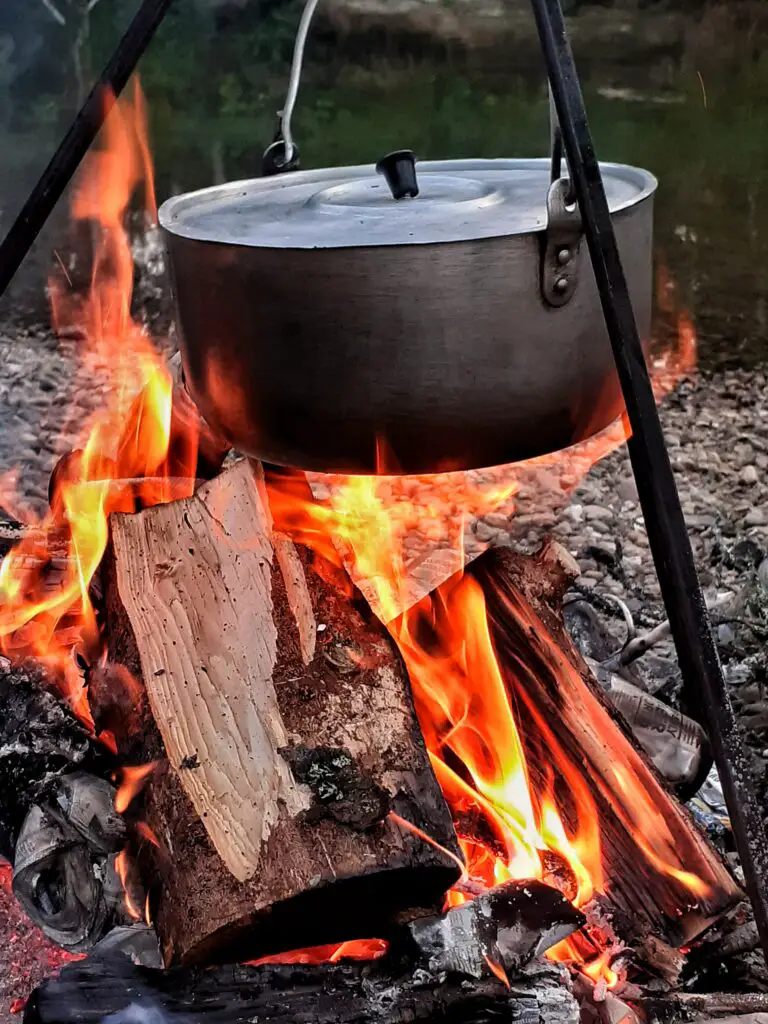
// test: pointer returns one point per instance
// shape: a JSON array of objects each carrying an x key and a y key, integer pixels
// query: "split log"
[
  {"x": 282, "y": 719},
  {"x": 87, "y": 992},
  {"x": 648, "y": 841}
]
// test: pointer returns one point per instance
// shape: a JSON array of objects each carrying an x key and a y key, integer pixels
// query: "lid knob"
[{"x": 399, "y": 168}]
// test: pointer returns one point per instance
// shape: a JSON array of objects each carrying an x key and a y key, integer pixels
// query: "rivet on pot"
[
  {"x": 561, "y": 285},
  {"x": 564, "y": 256}
]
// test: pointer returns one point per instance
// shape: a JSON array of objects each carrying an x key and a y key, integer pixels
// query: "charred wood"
[
  {"x": 86, "y": 992},
  {"x": 693, "y": 1006},
  {"x": 281, "y": 719},
  {"x": 510, "y": 925},
  {"x": 563, "y": 715},
  {"x": 40, "y": 741}
]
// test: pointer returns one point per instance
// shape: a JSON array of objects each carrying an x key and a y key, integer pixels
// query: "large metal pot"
[{"x": 327, "y": 325}]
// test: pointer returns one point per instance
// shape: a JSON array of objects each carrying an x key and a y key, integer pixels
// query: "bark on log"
[
  {"x": 282, "y": 719},
  {"x": 86, "y": 992},
  {"x": 647, "y": 837}
]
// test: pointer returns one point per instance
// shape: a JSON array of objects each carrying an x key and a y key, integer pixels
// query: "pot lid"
[{"x": 346, "y": 207}]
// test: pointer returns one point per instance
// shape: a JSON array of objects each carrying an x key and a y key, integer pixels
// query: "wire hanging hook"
[{"x": 283, "y": 153}]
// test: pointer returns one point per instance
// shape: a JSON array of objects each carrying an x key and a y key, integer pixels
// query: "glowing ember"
[{"x": 356, "y": 949}]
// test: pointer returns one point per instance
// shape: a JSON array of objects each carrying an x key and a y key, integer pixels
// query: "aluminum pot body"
[{"x": 406, "y": 358}]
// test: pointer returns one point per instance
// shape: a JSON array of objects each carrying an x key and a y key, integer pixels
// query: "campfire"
[{"x": 257, "y": 725}]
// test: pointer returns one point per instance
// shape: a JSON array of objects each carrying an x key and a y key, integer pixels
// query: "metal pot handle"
[
  {"x": 283, "y": 153},
  {"x": 561, "y": 241}
]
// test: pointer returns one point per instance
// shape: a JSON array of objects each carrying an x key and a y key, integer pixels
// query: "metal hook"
[{"x": 283, "y": 154}]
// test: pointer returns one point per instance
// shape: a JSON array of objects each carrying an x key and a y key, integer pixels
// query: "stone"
[
  {"x": 574, "y": 512},
  {"x": 756, "y": 517},
  {"x": 749, "y": 476},
  {"x": 593, "y": 512},
  {"x": 487, "y": 534},
  {"x": 627, "y": 488},
  {"x": 497, "y": 520}
]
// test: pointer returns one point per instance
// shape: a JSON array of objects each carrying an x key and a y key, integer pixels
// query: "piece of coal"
[
  {"x": 40, "y": 740},
  {"x": 510, "y": 925}
]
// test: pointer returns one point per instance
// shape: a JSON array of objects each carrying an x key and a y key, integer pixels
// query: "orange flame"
[
  {"x": 133, "y": 780},
  {"x": 123, "y": 867},
  {"x": 136, "y": 451},
  {"x": 355, "y": 949},
  {"x": 465, "y": 709},
  {"x": 125, "y": 456}
]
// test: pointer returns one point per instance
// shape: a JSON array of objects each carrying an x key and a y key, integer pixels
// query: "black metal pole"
[
  {"x": 703, "y": 680},
  {"x": 78, "y": 139}
]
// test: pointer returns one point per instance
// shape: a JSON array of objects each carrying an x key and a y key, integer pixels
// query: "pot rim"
[{"x": 172, "y": 219}]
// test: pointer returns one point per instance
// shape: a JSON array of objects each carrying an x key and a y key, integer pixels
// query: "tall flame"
[
  {"x": 507, "y": 830},
  {"x": 126, "y": 457}
]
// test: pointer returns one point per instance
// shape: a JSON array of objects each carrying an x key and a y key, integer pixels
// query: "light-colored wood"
[
  {"x": 195, "y": 579},
  {"x": 282, "y": 724}
]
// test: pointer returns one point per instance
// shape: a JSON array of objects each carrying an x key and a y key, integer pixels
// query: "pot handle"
[
  {"x": 283, "y": 153},
  {"x": 561, "y": 241}
]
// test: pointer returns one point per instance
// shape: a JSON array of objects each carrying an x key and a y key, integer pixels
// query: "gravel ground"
[{"x": 717, "y": 431}]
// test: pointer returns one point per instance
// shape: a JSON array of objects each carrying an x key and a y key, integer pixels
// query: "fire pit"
[{"x": 261, "y": 759}]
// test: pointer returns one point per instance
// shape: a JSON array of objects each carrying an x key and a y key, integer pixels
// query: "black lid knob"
[{"x": 399, "y": 168}]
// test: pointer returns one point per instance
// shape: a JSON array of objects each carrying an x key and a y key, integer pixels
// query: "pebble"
[
  {"x": 627, "y": 488},
  {"x": 593, "y": 512},
  {"x": 756, "y": 517},
  {"x": 749, "y": 476}
]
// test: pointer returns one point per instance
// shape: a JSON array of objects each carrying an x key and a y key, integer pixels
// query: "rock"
[
  {"x": 488, "y": 534},
  {"x": 593, "y": 512},
  {"x": 497, "y": 520},
  {"x": 627, "y": 489},
  {"x": 749, "y": 476},
  {"x": 574, "y": 512},
  {"x": 756, "y": 517}
]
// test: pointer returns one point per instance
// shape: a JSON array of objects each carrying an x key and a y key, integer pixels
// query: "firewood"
[
  {"x": 89, "y": 991},
  {"x": 554, "y": 691},
  {"x": 281, "y": 719},
  {"x": 701, "y": 1006}
]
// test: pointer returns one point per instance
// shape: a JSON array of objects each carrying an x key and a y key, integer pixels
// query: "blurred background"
[{"x": 677, "y": 86}]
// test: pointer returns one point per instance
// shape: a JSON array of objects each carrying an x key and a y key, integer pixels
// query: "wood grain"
[{"x": 195, "y": 579}]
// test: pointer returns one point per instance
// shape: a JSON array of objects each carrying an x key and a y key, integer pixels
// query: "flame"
[
  {"x": 133, "y": 779},
  {"x": 131, "y": 453},
  {"x": 466, "y": 711},
  {"x": 123, "y": 868},
  {"x": 141, "y": 449},
  {"x": 356, "y": 949},
  {"x": 497, "y": 971}
]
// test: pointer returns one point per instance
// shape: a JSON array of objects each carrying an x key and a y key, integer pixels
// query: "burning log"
[
  {"x": 394, "y": 990},
  {"x": 661, "y": 876},
  {"x": 472, "y": 964},
  {"x": 280, "y": 716}
]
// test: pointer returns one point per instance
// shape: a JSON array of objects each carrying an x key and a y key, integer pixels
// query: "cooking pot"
[{"x": 442, "y": 316}]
